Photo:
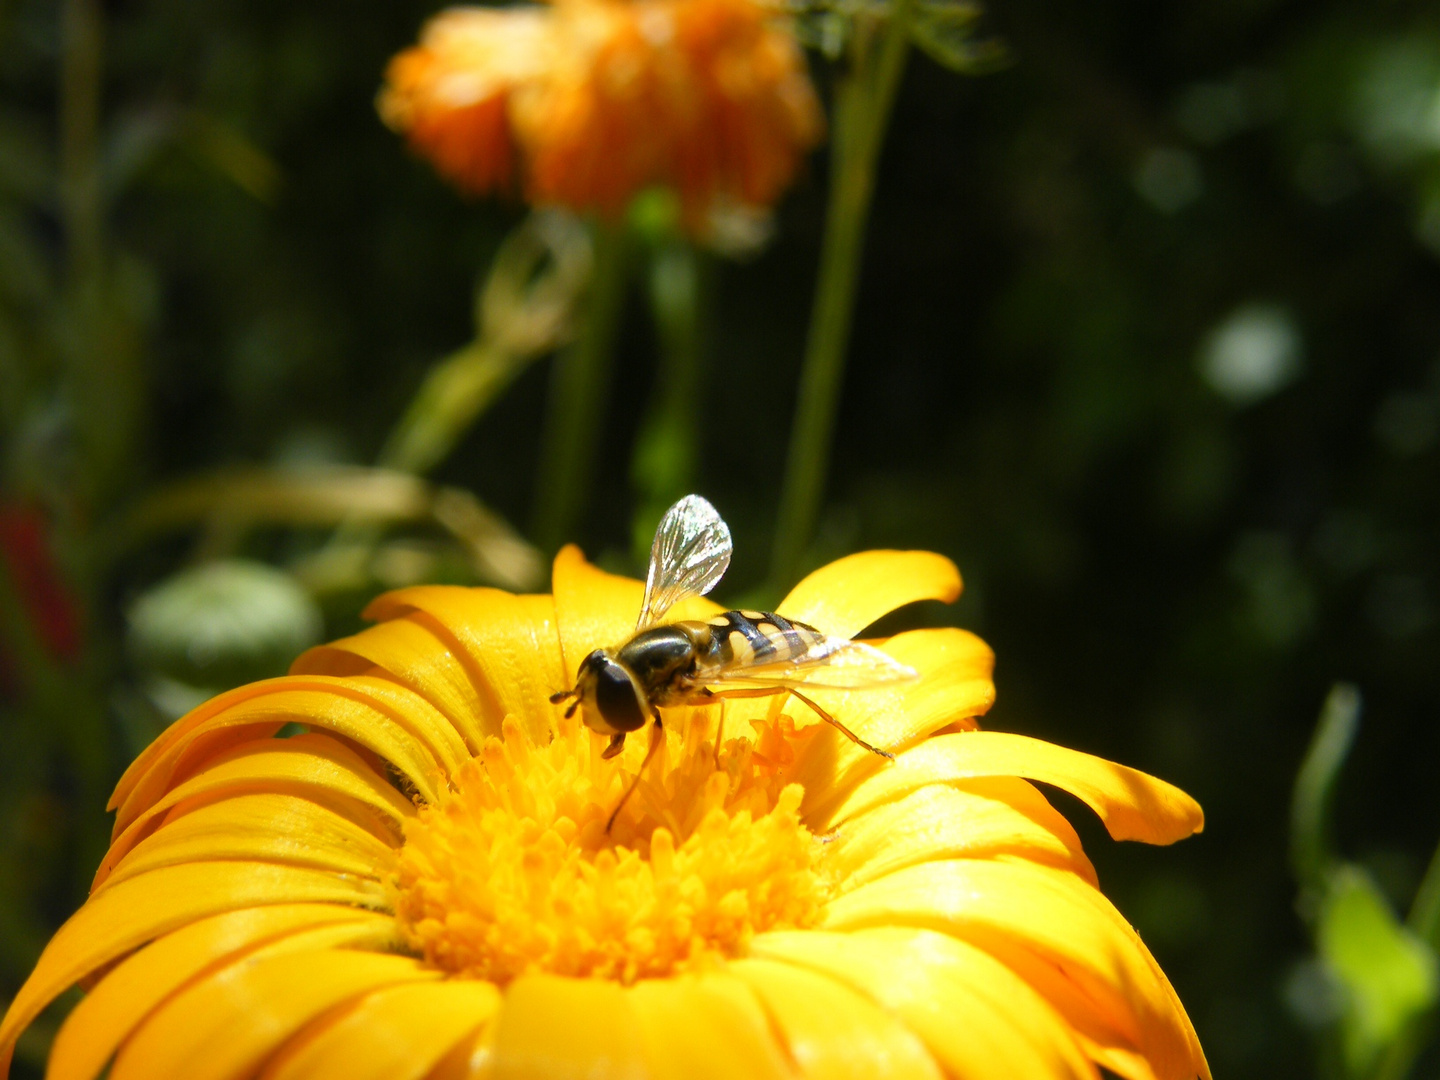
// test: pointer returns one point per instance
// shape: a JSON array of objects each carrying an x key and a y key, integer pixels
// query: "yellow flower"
[
  {"x": 604, "y": 98},
  {"x": 421, "y": 886}
]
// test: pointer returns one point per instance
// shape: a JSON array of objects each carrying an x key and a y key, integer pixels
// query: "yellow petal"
[
  {"x": 594, "y": 609},
  {"x": 397, "y": 1033},
  {"x": 104, "y": 1018},
  {"x": 954, "y": 684},
  {"x": 225, "y": 1026},
  {"x": 833, "y": 1032},
  {"x": 705, "y": 1026},
  {"x": 315, "y": 766},
  {"x": 971, "y": 819},
  {"x": 261, "y": 828},
  {"x": 415, "y": 652},
  {"x": 979, "y": 1018},
  {"x": 550, "y": 1026},
  {"x": 508, "y": 643},
  {"x": 145, "y": 762},
  {"x": 851, "y": 593},
  {"x": 136, "y": 911},
  {"x": 1133, "y": 805},
  {"x": 335, "y": 705},
  {"x": 469, "y": 1059},
  {"x": 1013, "y": 906},
  {"x": 1108, "y": 1040}
]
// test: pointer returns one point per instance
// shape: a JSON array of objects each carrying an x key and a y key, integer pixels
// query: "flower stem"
[
  {"x": 863, "y": 101},
  {"x": 1311, "y": 854},
  {"x": 579, "y": 387},
  {"x": 82, "y": 34}
]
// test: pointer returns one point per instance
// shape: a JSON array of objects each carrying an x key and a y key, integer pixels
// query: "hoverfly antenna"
[{"x": 561, "y": 695}]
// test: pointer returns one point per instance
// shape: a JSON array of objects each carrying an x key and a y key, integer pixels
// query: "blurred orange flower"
[
  {"x": 450, "y": 94},
  {"x": 421, "y": 886},
  {"x": 589, "y": 102}
]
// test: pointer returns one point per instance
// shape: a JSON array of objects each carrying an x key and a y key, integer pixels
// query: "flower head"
[
  {"x": 423, "y": 885},
  {"x": 450, "y": 93},
  {"x": 593, "y": 101}
]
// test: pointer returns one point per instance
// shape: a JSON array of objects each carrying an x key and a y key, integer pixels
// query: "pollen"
[{"x": 512, "y": 870}]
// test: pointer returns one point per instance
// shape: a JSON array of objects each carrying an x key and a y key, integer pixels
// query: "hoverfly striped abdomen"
[{"x": 743, "y": 639}]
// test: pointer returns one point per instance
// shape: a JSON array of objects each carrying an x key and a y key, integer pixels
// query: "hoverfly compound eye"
[{"x": 617, "y": 697}]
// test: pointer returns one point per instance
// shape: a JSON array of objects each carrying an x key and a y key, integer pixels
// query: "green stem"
[
  {"x": 863, "y": 101},
  {"x": 456, "y": 391},
  {"x": 1310, "y": 842},
  {"x": 82, "y": 31},
  {"x": 579, "y": 387},
  {"x": 667, "y": 447}
]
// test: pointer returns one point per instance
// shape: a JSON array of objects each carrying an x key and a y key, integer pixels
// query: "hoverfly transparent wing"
[
  {"x": 828, "y": 664},
  {"x": 690, "y": 554}
]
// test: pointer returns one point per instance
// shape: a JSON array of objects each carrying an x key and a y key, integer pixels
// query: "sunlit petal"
[
  {"x": 1004, "y": 907},
  {"x": 396, "y": 1033},
  {"x": 709, "y": 1027},
  {"x": 973, "y": 819},
  {"x": 317, "y": 767},
  {"x": 107, "y": 1015},
  {"x": 1133, "y": 805},
  {"x": 976, "y": 1016},
  {"x": 359, "y": 709},
  {"x": 550, "y": 1026},
  {"x": 509, "y": 643},
  {"x": 847, "y": 595},
  {"x": 145, "y": 907},
  {"x": 954, "y": 686},
  {"x": 260, "y": 828},
  {"x": 831, "y": 1031},
  {"x": 225, "y": 1026},
  {"x": 413, "y": 650}
]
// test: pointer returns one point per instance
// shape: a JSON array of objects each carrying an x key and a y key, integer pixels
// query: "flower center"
[{"x": 513, "y": 871}]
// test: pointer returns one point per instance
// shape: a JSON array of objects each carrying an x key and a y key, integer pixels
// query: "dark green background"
[{"x": 1169, "y": 578}]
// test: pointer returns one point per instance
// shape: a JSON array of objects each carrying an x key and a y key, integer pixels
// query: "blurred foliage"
[
  {"x": 1373, "y": 990},
  {"x": 1147, "y": 338}
]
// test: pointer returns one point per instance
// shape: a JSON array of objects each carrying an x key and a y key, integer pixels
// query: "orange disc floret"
[{"x": 449, "y": 95}]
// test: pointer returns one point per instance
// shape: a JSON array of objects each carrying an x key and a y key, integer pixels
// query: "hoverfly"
[{"x": 735, "y": 654}]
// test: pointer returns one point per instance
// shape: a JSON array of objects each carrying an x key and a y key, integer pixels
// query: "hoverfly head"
[{"x": 608, "y": 692}]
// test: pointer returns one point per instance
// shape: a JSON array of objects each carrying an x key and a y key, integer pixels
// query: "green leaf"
[
  {"x": 1388, "y": 975},
  {"x": 223, "y": 624},
  {"x": 945, "y": 31}
]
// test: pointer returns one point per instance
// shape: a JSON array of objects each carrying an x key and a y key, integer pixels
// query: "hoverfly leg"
[
  {"x": 617, "y": 743},
  {"x": 706, "y": 692},
  {"x": 841, "y": 727},
  {"x": 657, "y": 736},
  {"x": 836, "y": 724}
]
